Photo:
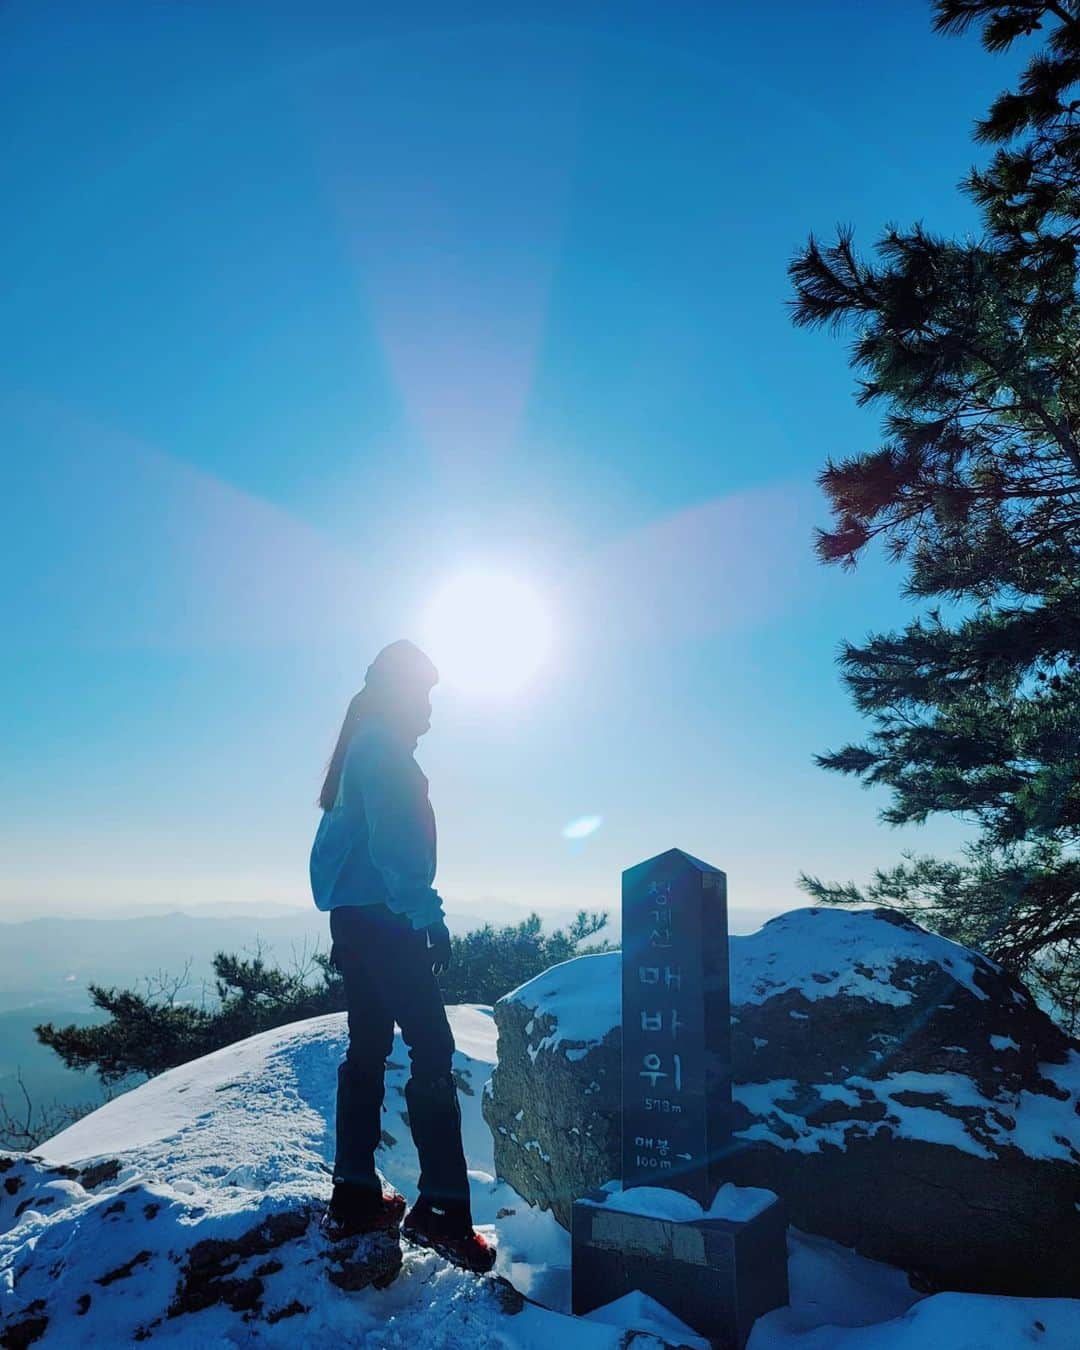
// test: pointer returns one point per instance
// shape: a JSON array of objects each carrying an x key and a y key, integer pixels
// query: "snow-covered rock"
[
  {"x": 184, "y": 1213},
  {"x": 903, "y": 1094}
]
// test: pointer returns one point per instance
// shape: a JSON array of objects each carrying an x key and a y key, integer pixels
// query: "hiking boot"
[
  {"x": 355, "y": 1211},
  {"x": 451, "y": 1236}
]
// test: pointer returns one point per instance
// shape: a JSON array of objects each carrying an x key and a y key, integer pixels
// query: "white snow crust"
[
  {"x": 585, "y": 996},
  {"x": 1042, "y": 1126},
  {"x": 855, "y": 950},
  {"x": 737, "y": 1203}
]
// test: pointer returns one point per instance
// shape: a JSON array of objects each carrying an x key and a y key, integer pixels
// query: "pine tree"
[
  {"x": 151, "y": 1030},
  {"x": 972, "y": 348},
  {"x": 489, "y": 962}
]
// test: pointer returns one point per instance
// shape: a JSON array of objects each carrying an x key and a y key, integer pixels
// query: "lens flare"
[{"x": 582, "y": 827}]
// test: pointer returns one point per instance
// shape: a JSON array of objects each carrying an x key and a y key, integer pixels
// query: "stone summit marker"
[
  {"x": 726, "y": 1264},
  {"x": 676, "y": 1025}
]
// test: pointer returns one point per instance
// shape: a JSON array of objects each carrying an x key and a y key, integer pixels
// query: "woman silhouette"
[{"x": 372, "y": 868}]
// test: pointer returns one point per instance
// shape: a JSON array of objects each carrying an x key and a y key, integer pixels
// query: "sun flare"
[{"x": 490, "y": 633}]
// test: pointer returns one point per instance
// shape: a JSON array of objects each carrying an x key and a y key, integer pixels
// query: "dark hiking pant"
[{"x": 386, "y": 966}]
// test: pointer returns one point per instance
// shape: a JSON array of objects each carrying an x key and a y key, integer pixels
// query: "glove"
[{"x": 438, "y": 936}]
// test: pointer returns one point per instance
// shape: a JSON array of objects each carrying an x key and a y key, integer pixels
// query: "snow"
[
  {"x": 1003, "y": 1043},
  {"x": 643, "y": 1313},
  {"x": 1038, "y": 1124},
  {"x": 929, "y": 1123},
  {"x": 216, "y": 1146},
  {"x": 736, "y": 1203},
  {"x": 840, "y": 1301},
  {"x": 1049, "y": 1127},
  {"x": 832, "y": 1286},
  {"x": 944, "y": 1322},
  {"x": 582, "y": 995},
  {"x": 763, "y": 1100},
  {"x": 856, "y": 951}
]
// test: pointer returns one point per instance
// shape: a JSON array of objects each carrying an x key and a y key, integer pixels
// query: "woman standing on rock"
[{"x": 372, "y": 868}]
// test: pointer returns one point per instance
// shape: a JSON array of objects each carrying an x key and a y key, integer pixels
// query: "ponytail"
[{"x": 359, "y": 704}]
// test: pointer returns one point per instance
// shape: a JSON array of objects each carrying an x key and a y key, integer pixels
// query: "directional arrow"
[{"x": 687, "y": 1156}]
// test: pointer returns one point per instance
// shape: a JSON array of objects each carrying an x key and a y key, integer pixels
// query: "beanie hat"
[{"x": 402, "y": 663}]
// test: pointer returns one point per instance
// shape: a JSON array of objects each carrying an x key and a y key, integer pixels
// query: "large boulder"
[{"x": 906, "y": 1096}]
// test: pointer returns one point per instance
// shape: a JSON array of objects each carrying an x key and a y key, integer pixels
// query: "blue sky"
[{"x": 307, "y": 307}]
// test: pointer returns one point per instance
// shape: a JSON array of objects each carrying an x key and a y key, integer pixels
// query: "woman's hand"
[{"x": 439, "y": 946}]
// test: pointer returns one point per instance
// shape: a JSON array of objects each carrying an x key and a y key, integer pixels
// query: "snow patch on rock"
[
  {"x": 825, "y": 952},
  {"x": 581, "y": 989},
  {"x": 737, "y": 1204}
]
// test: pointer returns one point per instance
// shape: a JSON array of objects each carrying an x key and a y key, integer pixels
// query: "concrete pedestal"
[{"x": 717, "y": 1275}]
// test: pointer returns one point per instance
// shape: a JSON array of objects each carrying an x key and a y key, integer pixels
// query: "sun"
[{"x": 489, "y": 633}]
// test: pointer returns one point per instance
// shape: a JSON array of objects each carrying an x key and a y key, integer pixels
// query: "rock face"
[{"x": 903, "y": 1094}]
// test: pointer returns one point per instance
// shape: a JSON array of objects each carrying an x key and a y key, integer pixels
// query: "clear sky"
[{"x": 308, "y": 306}]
